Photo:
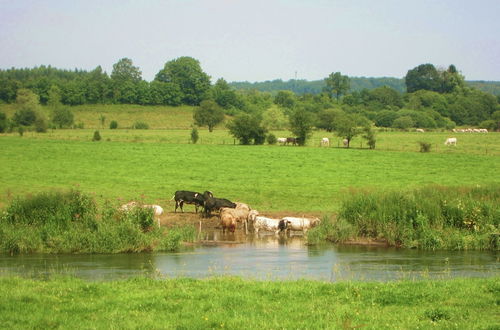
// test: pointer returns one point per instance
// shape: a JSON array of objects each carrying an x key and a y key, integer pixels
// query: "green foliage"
[
  {"x": 4, "y": 123},
  {"x": 424, "y": 146},
  {"x": 208, "y": 114},
  {"x": 194, "y": 135},
  {"x": 140, "y": 125},
  {"x": 124, "y": 71},
  {"x": 271, "y": 139},
  {"x": 286, "y": 99},
  {"x": 225, "y": 96},
  {"x": 186, "y": 73},
  {"x": 331, "y": 229},
  {"x": 113, "y": 124},
  {"x": 386, "y": 118},
  {"x": 369, "y": 135},
  {"x": 97, "y": 136},
  {"x": 403, "y": 122},
  {"x": 301, "y": 123},
  {"x": 337, "y": 84},
  {"x": 346, "y": 126},
  {"x": 62, "y": 117},
  {"x": 424, "y": 76},
  {"x": 326, "y": 119},
  {"x": 247, "y": 129},
  {"x": 427, "y": 218},
  {"x": 274, "y": 118}
]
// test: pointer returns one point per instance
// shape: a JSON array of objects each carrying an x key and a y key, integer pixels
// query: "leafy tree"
[
  {"x": 403, "y": 122},
  {"x": 385, "y": 118},
  {"x": 337, "y": 84},
  {"x": 271, "y": 139},
  {"x": 62, "y": 117},
  {"x": 274, "y": 118},
  {"x": 286, "y": 99},
  {"x": 424, "y": 76},
  {"x": 369, "y": 135},
  {"x": 382, "y": 97},
  {"x": 124, "y": 71},
  {"x": 301, "y": 123},
  {"x": 208, "y": 114},
  {"x": 165, "y": 93},
  {"x": 326, "y": 119},
  {"x": 247, "y": 129},
  {"x": 420, "y": 119},
  {"x": 225, "y": 96},
  {"x": 346, "y": 127},
  {"x": 54, "y": 97},
  {"x": 452, "y": 80},
  {"x": 186, "y": 73},
  {"x": 28, "y": 107}
]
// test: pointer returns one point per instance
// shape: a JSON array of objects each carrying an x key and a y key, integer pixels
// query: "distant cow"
[
  {"x": 269, "y": 224},
  {"x": 282, "y": 140},
  {"x": 451, "y": 141},
  {"x": 215, "y": 204},
  {"x": 157, "y": 209},
  {"x": 346, "y": 143},
  {"x": 291, "y": 140},
  {"x": 325, "y": 142},
  {"x": 301, "y": 224},
  {"x": 188, "y": 197},
  {"x": 419, "y": 130}
]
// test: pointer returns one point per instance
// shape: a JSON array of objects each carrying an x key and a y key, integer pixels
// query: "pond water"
[{"x": 265, "y": 258}]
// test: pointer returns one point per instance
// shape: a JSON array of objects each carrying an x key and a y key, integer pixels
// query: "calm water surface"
[{"x": 266, "y": 257}]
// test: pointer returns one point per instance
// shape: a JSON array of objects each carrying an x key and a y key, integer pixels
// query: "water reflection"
[{"x": 263, "y": 257}]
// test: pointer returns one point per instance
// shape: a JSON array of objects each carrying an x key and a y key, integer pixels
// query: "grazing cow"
[
  {"x": 291, "y": 140},
  {"x": 282, "y": 140},
  {"x": 451, "y": 141},
  {"x": 269, "y": 224},
  {"x": 301, "y": 224},
  {"x": 215, "y": 204},
  {"x": 188, "y": 197},
  {"x": 346, "y": 143},
  {"x": 419, "y": 130},
  {"x": 325, "y": 142},
  {"x": 157, "y": 209}
]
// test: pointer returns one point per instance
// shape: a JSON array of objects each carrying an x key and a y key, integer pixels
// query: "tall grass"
[
  {"x": 432, "y": 217},
  {"x": 70, "y": 222}
]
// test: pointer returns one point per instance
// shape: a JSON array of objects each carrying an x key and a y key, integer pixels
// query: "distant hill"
[{"x": 357, "y": 83}]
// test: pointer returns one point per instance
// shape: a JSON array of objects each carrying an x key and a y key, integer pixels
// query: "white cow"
[
  {"x": 451, "y": 141},
  {"x": 268, "y": 224},
  {"x": 157, "y": 209},
  {"x": 325, "y": 142},
  {"x": 419, "y": 130},
  {"x": 301, "y": 224},
  {"x": 282, "y": 140},
  {"x": 345, "y": 142}
]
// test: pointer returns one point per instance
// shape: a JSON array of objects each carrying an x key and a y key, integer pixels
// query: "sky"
[{"x": 255, "y": 40}]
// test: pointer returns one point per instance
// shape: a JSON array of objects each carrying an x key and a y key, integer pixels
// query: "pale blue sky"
[{"x": 256, "y": 40}]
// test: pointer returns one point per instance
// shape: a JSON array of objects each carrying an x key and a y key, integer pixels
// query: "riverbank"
[{"x": 229, "y": 302}]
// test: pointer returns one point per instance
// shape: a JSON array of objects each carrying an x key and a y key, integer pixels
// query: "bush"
[
  {"x": 271, "y": 139},
  {"x": 41, "y": 125},
  {"x": 62, "y": 117},
  {"x": 404, "y": 122},
  {"x": 194, "y": 135},
  {"x": 140, "y": 125},
  {"x": 424, "y": 146},
  {"x": 113, "y": 124},
  {"x": 97, "y": 136},
  {"x": 3, "y": 122}
]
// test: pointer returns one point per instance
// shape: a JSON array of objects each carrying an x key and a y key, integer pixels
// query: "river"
[{"x": 265, "y": 258}]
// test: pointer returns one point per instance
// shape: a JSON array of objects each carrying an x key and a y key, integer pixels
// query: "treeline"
[
  {"x": 302, "y": 86},
  {"x": 434, "y": 99}
]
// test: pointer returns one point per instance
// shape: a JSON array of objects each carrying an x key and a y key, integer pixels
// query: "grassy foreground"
[{"x": 234, "y": 303}]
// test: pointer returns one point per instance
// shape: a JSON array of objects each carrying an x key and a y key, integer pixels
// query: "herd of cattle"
[{"x": 230, "y": 214}]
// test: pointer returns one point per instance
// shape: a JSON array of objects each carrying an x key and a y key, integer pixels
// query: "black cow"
[
  {"x": 215, "y": 204},
  {"x": 188, "y": 197},
  {"x": 291, "y": 140}
]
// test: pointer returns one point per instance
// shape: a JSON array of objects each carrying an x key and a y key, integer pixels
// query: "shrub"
[
  {"x": 271, "y": 139},
  {"x": 62, "y": 117},
  {"x": 140, "y": 125},
  {"x": 113, "y": 124},
  {"x": 194, "y": 135},
  {"x": 424, "y": 146},
  {"x": 3, "y": 122},
  {"x": 41, "y": 125},
  {"x": 97, "y": 136}
]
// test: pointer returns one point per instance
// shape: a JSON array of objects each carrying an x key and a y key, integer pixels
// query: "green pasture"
[
  {"x": 267, "y": 177},
  {"x": 234, "y": 303}
]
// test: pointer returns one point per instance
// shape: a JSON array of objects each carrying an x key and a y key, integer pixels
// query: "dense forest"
[{"x": 426, "y": 98}]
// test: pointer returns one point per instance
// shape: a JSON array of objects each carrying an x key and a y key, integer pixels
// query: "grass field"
[
  {"x": 266, "y": 177},
  {"x": 234, "y": 303}
]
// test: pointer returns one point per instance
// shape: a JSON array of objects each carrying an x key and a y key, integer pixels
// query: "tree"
[
  {"x": 124, "y": 70},
  {"x": 186, "y": 73},
  {"x": 274, "y": 118},
  {"x": 247, "y": 128},
  {"x": 28, "y": 107},
  {"x": 301, "y": 123},
  {"x": 3, "y": 122},
  {"x": 286, "y": 99},
  {"x": 403, "y": 122},
  {"x": 424, "y": 76},
  {"x": 208, "y": 114},
  {"x": 62, "y": 117},
  {"x": 337, "y": 84},
  {"x": 369, "y": 136},
  {"x": 346, "y": 127},
  {"x": 452, "y": 80},
  {"x": 224, "y": 95},
  {"x": 54, "y": 98},
  {"x": 326, "y": 119},
  {"x": 385, "y": 118}
]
